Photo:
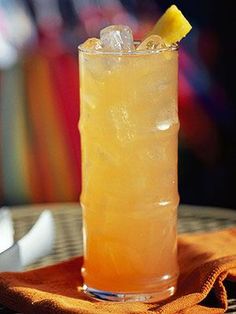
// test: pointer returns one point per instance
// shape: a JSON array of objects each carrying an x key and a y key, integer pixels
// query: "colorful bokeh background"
[{"x": 39, "y": 95}]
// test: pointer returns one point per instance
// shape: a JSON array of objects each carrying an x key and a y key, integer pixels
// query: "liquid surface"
[{"x": 129, "y": 126}]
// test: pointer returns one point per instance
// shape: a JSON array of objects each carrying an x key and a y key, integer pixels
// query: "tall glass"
[{"x": 129, "y": 128}]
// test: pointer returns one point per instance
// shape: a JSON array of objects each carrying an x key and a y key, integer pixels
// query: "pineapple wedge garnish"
[{"x": 172, "y": 26}]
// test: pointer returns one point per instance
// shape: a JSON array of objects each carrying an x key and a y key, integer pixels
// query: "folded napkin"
[{"x": 207, "y": 276}]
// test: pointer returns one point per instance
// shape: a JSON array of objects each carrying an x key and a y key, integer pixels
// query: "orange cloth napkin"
[{"x": 207, "y": 274}]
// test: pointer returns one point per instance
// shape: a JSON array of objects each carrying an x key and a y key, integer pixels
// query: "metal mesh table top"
[{"x": 68, "y": 223}]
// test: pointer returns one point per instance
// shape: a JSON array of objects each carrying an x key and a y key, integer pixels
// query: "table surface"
[{"x": 68, "y": 225}]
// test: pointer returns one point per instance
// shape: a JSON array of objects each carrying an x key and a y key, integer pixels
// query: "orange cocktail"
[{"x": 129, "y": 128}]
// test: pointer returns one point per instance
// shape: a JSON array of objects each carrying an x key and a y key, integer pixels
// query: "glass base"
[{"x": 129, "y": 297}]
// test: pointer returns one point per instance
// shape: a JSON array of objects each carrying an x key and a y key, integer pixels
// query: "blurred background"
[{"x": 39, "y": 95}]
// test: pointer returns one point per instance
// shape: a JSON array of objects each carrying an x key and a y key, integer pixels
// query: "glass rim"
[{"x": 172, "y": 47}]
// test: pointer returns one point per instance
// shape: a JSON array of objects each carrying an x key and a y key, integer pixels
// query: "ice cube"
[
  {"x": 92, "y": 44},
  {"x": 153, "y": 42},
  {"x": 117, "y": 38}
]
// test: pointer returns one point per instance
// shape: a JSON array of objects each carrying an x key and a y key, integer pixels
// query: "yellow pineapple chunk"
[{"x": 172, "y": 26}]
